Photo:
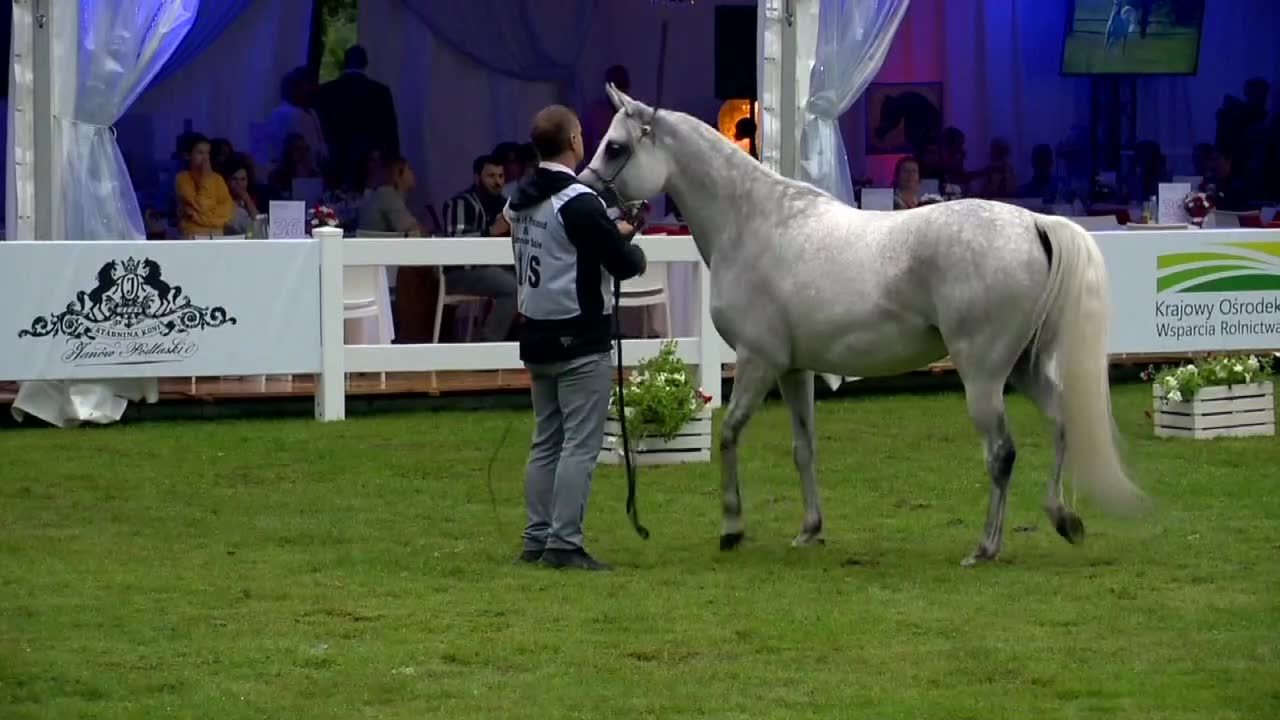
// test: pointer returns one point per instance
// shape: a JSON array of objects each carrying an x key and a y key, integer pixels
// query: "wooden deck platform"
[{"x": 370, "y": 386}]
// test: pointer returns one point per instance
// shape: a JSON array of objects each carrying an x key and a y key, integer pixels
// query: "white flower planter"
[
  {"x": 1217, "y": 411},
  {"x": 691, "y": 445}
]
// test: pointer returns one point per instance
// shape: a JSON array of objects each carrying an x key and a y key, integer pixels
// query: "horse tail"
[{"x": 1072, "y": 326}]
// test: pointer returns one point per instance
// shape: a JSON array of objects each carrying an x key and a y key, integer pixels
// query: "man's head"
[
  {"x": 528, "y": 158},
  {"x": 400, "y": 175},
  {"x": 618, "y": 77},
  {"x": 489, "y": 175},
  {"x": 296, "y": 86},
  {"x": 556, "y": 135},
  {"x": 508, "y": 155},
  {"x": 355, "y": 58}
]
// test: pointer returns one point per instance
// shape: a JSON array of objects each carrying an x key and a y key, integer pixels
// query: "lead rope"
[{"x": 632, "y": 512}]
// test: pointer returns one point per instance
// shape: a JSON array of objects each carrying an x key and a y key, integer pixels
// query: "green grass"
[
  {"x": 288, "y": 569},
  {"x": 1155, "y": 53}
]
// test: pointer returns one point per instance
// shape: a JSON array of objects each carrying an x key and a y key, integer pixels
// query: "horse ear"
[{"x": 616, "y": 96}]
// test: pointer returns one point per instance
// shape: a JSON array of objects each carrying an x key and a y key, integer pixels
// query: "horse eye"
[{"x": 614, "y": 150}]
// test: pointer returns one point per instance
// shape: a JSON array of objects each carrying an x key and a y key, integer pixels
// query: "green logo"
[{"x": 1242, "y": 267}]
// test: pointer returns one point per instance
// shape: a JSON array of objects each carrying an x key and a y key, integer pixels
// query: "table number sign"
[
  {"x": 877, "y": 198},
  {"x": 288, "y": 219},
  {"x": 1169, "y": 199}
]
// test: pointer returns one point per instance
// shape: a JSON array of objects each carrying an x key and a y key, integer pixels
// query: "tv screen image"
[{"x": 1133, "y": 37}]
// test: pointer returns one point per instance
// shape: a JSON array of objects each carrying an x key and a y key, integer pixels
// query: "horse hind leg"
[
  {"x": 1035, "y": 381},
  {"x": 986, "y": 407},
  {"x": 751, "y": 382},
  {"x": 797, "y": 391}
]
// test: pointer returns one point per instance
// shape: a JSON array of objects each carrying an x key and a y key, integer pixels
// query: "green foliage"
[
  {"x": 660, "y": 396},
  {"x": 1182, "y": 382},
  {"x": 340, "y": 32}
]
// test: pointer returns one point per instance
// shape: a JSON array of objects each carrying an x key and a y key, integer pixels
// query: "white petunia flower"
[{"x": 1175, "y": 395}]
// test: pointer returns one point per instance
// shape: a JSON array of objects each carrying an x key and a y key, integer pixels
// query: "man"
[
  {"x": 477, "y": 212},
  {"x": 567, "y": 254},
  {"x": 294, "y": 116},
  {"x": 359, "y": 117},
  {"x": 1043, "y": 184}
]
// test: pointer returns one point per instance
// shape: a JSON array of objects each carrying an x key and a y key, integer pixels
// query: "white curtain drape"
[
  {"x": 103, "y": 57},
  {"x": 120, "y": 48},
  {"x": 853, "y": 38},
  {"x": 20, "y": 195}
]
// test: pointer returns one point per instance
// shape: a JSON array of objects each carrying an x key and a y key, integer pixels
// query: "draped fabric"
[
  {"x": 120, "y": 48},
  {"x": 515, "y": 38},
  {"x": 853, "y": 39},
  {"x": 228, "y": 91},
  {"x": 211, "y": 20},
  {"x": 20, "y": 195},
  {"x": 102, "y": 60}
]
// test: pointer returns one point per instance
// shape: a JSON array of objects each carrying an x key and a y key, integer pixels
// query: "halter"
[{"x": 610, "y": 192}]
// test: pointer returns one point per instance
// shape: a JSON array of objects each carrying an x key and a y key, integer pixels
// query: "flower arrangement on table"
[
  {"x": 323, "y": 216},
  {"x": 1181, "y": 383},
  {"x": 1198, "y": 206},
  {"x": 660, "y": 396}
]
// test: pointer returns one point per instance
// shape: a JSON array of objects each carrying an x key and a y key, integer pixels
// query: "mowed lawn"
[{"x": 289, "y": 569}]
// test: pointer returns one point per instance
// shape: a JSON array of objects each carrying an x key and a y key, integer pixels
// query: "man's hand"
[
  {"x": 625, "y": 229},
  {"x": 500, "y": 227}
]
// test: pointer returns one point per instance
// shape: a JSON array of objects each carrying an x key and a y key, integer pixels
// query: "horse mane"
[{"x": 730, "y": 160}]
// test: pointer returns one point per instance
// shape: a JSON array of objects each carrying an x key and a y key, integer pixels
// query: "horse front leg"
[
  {"x": 751, "y": 382},
  {"x": 797, "y": 391}
]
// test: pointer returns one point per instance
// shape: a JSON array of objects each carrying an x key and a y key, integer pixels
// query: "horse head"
[{"x": 630, "y": 163}]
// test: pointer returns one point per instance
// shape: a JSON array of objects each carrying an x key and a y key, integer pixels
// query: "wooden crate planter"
[
  {"x": 1217, "y": 411},
  {"x": 691, "y": 445}
]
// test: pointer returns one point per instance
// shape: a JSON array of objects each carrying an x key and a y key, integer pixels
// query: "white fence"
[
  {"x": 707, "y": 350},
  {"x": 244, "y": 307}
]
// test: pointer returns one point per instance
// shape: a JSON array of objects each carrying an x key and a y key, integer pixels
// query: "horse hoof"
[
  {"x": 979, "y": 556},
  {"x": 806, "y": 540},
  {"x": 1070, "y": 527},
  {"x": 729, "y": 541}
]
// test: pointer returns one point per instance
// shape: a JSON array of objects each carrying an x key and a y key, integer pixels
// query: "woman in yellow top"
[{"x": 204, "y": 203}]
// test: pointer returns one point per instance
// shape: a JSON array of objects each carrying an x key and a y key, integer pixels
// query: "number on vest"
[{"x": 530, "y": 271}]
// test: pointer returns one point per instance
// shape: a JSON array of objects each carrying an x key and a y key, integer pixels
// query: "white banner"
[
  {"x": 158, "y": 309},
  {"x": 1193, "y": 290}
]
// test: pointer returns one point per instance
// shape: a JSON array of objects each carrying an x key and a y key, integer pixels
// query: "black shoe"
[
  {"x": 529, "y": 556},
  {"x": 576, "y": 559}
]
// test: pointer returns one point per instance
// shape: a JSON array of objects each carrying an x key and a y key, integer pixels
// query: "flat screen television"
[{"x": 1133, "y": 37}]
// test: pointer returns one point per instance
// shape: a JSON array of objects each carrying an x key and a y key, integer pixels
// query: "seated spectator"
[
  {"x": 1230, "y": 191},
  {"x": 204, "y": 203},
  {"x": 238, "y": 173},
  {"x": 384, "y": 209},
  {"x": 297, "y": 161},
  {"x": 998, "y": 180},
  {"x": 906, "y": 183},
  {"x": 1043, "y": 183},
  {"x": 477, "y": 212},
  {"x": 220, "y": 152}
]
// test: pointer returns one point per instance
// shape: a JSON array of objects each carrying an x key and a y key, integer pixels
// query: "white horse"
[{"x": 802, "y": 283}]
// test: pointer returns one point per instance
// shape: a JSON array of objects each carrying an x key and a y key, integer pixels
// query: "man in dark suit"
[{"x": 358, "y": 116}]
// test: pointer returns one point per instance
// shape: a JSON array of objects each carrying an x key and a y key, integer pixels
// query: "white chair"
[
  {"x": 1096, "y": 223},
  {"x": 646, "y": 290},
  {"x": 360, "y": 298},
  {"x": 1228, "y": 219}
]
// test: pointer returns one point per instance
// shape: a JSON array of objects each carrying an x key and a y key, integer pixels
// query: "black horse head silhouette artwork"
[{"x": 130, "y": 299}]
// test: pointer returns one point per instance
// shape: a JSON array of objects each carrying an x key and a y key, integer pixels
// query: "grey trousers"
[
  {"x": 570, "y": 405},
  {"x": 489, "y": 281}
]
